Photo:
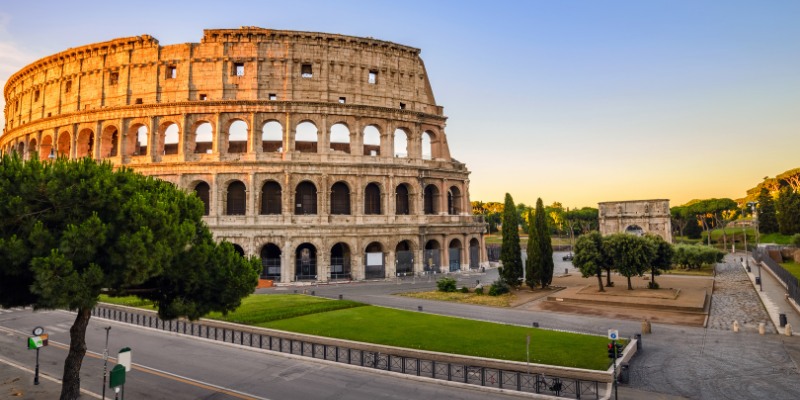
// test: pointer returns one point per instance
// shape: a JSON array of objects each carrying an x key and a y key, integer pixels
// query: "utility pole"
[{"x": 105, "y": 362}]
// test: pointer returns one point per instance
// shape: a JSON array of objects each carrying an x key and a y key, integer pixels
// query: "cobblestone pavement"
[{"x": 735, "y": 299}]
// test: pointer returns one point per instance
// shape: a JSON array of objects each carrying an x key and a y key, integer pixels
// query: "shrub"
[
  {"x": 464, "y": 289},
  {"x": 479, "y": 291},
  {"x": 796, "y": 239},
  {"x": 499, "y": 287},
  {"x": 652, "y": 285},
  {"x": 446, "y": 285}
]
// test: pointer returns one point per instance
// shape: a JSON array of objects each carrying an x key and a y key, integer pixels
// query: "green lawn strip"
[
  {"x": 792, "y": 267},
  {"x": 259, "y": 309},
  {"x": 704, "y": 270},
  {"x": 438, "y": 333},
  {"x": 130, "y": 301}
]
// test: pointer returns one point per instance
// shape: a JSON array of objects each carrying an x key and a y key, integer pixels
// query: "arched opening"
[
  {"x": 402, "y": 203},
  {"x": 433, "y": 257},
  {"x": 203, "y": 138},
  {"x": 427, "y": 147},
  {"x": 404, "y": 259},
  {"x": 64, "y": 144},
  {"x": 271, "y": 262},
  {"x": 141, "y": 141},
  {"x": 237, "y": 137},
  {"x": 634, "y": 230},
  {"x": 32, "y": 148},
  {"x": 236, "y": 199},
  {"x": 305, "y": 199},
  {"x": 374, "y": 267},
  {"x": 171, "y": 139},
  {"x": 46, "y": 148},
  {"x": 238, "y": 249},
  {"x": 306, "y": 262},
  {"x": 474, "y": 253},
  {"x": 454, "y": 255},
  {"x": 272, "y": 137},
  {"x": 305, "y": 140},
  {"x": 202, "y": 191},
  {"x": 340, "y": 199},
  {"x": 20, "y": 149},
  {"x": 372, "y": 199},
  {"x": 340, "y": 261},
  {"x": 85, "y": 145},
  {"x": 454, "y": 201},
  {"x": 400, "y": 143},
  {"x": 372, "y": 141},
  {"x": 109, "y": 142},
  {"x": 431, "y": 200},
  {"x": 271, "y": 198},
  {"x": 340, "y": 138}
]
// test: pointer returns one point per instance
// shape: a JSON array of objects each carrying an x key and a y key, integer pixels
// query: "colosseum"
[{"x": 324, "y": 154}]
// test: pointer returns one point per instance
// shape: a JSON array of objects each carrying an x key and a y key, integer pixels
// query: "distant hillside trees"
[{"x": 767, "y": 220}]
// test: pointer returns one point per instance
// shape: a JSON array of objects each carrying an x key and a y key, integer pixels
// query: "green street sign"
[
  {"x": 34, "y": 342},
  {"x": 117, "y": 376}
]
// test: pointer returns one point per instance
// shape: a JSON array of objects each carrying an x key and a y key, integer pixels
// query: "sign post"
[
  {"x": 105, "y": 362},
  {"x": 117, "y": 379},
  {"x": 613, "y": 334},
  {"x": 35, "y": 342}
]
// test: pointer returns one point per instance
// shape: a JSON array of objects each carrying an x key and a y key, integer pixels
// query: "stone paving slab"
[{"x": 735, "y": 300}]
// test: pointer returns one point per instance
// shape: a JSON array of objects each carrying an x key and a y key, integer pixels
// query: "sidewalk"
[
  {"x": 16, "y": 382},
  {"x": 773, "y": 295}
]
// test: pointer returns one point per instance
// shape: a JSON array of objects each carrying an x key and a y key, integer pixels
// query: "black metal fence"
[
  {"x": 493, "y": 252},
  {"x": 761, "y": 254},
  {"x": 468, "y": 374}
]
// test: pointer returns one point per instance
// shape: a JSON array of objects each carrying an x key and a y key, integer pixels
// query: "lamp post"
[
  {"x": 105, "y": 362},
  {"x": 752, "y": 205}
]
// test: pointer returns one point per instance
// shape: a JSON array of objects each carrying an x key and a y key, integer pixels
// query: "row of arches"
[
  {"x": 308, "y": 261},
  {"x": 305, "y": 196},
  {"x": 236, "y": 138}
]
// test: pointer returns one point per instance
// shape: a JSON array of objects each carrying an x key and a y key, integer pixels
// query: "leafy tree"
[
  {"x": 555, "y": 216},
  {"x": 510, "y": 253},
  {"x": 71, "y": 230},
  {"x": 694, "y": 256},
  {"x": 590, "y": 257},
  {"x": 680, "y": 218},
  {"x": 662, "y": 258},
  {"x": 767, "y": 221},
  {"x": 630, "y": 254},
  {"x": 533, "y": 265},
  {"x": 693, "y": 229},
  {"x": 788, "y": 210},
  {"x": 545, "y": 245},
  {"x": 522, "y": 213}
]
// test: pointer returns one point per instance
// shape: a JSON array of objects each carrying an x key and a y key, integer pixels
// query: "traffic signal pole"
[{"x": 614, "y": 345}]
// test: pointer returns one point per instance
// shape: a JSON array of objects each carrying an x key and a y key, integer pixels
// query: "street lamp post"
[
  {"x": 105, "y": 362},
  {"x": 752, "y": 205}
]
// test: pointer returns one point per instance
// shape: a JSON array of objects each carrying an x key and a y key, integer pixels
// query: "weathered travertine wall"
[
  {"x": 307, "y": 148},
  {"x": 650, "y": 216}
]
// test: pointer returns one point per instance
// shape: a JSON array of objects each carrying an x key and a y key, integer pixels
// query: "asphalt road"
[{"x": 170, "y": 366}]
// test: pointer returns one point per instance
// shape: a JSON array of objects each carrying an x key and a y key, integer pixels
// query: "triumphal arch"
[
  {"x": 636, "y": 217},
  {"x": 324, "y": 154}
]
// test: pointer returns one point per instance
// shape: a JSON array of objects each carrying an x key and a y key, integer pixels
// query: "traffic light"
[
  {"x": 611, "y": 350},
  {"x": 620, "y": 349},
  {"x": 615, "y": 350}
]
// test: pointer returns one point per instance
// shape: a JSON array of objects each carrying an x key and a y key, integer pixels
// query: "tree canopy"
[
  {"x": 767, "y": 220},
  {"x": 630, "y": 254},
  {"x": 71, "y": 230},
  {"x": 510, "y": 252},
  {"x": 590, "y": 256}
]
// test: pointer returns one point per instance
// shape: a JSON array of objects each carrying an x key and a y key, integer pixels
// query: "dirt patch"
[{"x": 640, "y": 293}]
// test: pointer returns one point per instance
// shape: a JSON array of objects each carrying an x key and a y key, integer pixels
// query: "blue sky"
[{"x": 572, "y": 101}]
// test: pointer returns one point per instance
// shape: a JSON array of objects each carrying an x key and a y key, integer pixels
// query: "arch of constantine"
[
  {"x": 636, "y": 217},
  {"x": 324, "y": 154}
]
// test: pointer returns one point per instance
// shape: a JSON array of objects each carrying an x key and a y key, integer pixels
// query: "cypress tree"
[
  {"x": 545, "y": 246},
  {"x": 767, "y": 221},
  {"x": 533, "y": 270},
  {"x": 510, "y": 253}
]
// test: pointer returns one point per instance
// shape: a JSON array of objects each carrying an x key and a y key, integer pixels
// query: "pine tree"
[
  {"x": 788, "y": 210},
  {"x": 767, "y": 221},
  {"x": 546, "y": 264},
  {"x": 510, "y": 253},
  {"x": 533, "y": 272}
]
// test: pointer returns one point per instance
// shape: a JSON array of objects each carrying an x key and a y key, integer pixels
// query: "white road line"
[
  {"x": 45, "y": 376},
  {"x": 55, "y": 329}
]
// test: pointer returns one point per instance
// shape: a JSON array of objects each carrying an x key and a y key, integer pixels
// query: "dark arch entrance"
[
  {"x": 433, "y": 257},
  {"x": 306, "y": 262},
  {"x": 374, "y": 266},
  {"x": 271, "y": 198},
  {"x": 474, "y": 254},
  {"x": 239, "y": 250},
  {"x": 454, "y": 255},
  {"x": 634, "y": 230},
  {"x": 237, "y": 198},
  {"x": 404, "y": 259},
  {"x": 306, "y": 199},
  {"x": 401, "y": 200},
  {"x": 202, "y": 191},
  {"x": 372, "y": 200},
  {"x": 431, "y": 199},
  {"x": 271, "y": 262},
  {"x": 340, "y": 199},
  {"x": 340, "y": 261}
]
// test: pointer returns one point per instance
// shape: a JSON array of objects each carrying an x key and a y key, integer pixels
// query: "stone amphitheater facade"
[{"x": 324, "y": 154}]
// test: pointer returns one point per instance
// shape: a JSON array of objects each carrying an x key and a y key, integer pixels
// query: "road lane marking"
[
  {"x": 156, "y": 372},
  {"x": 44, "y": 376}
]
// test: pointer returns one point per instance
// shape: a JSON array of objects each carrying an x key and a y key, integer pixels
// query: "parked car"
[{"x": 567, "y": 257}]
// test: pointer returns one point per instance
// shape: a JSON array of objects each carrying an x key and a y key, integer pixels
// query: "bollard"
[
  {"x": 419, "y": 308},
  {"x": 638, "y": 337},
  {"x": 313, "y": 292},
  {"x": 535, "y": 324},
  {"x": 566, "y": 271},
  {"x": 787, "y": 330},
  {"x": 624, "y": 373},
  {"x": 340, "y": 297},
  {"x": 735, "y": 326},
  {"x": 761, "y": 328},
  {"x": 782, "y": 319},
  {"x": 295, "y": 291},
  {"x": 646, "y": 327}
]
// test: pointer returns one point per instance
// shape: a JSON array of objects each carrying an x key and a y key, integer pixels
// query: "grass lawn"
[
  {"x": 350, "y": 320},
  {"x": 792, "y": 267},
  {"x": 468, "y": 298}
]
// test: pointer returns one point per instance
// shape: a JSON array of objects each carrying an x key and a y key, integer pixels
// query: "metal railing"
[
  {"x": 403, "y": 364},
  {"x": 761, "y": 254}
]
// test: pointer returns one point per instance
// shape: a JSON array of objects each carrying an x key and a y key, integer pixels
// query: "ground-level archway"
[
  {"x": 306, "y": 262},
  {"x": 404, "y": 259},
  {"x": 340, "y": 261},
  {"x": 433, "y": 256},
  {"x": 374, "y": 265},
  {"x": 271, "y": 262},
  {"x": 454, "y": 255}
]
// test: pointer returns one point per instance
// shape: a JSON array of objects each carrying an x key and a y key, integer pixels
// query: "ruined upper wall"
[{"x": 228, "y": 64}]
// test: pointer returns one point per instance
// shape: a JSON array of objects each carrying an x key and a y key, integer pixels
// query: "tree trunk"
[
  {"x": 71, "y": 387},
  {"x": 600, "y": 279},
  {"x": 630, "y": 287},
  {"x": 608, "y": 277},
  {"x": 653, "y": 278}
]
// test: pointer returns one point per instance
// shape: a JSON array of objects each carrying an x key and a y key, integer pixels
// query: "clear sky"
[{"x": 572, "y": 101}]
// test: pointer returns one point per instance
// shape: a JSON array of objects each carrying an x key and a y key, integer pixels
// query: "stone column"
[
  {"x": 98, "y": 141},
  {"x": 252, "y": 143},
  {"x": 443, "y": 197},
  {"x": 73, "y": 142},
  {"x": 152, "y": 144},
  {"x": 252, "y": 191}
]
